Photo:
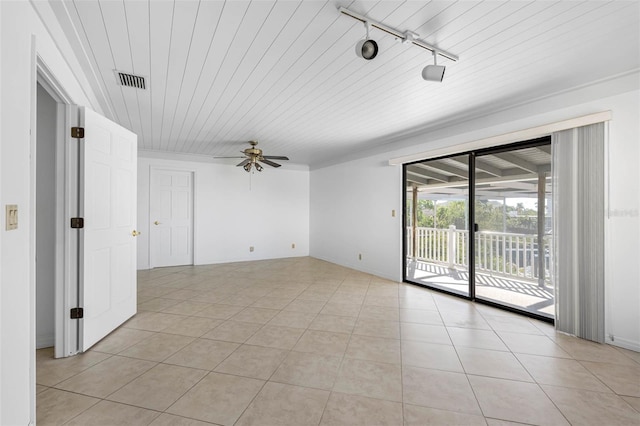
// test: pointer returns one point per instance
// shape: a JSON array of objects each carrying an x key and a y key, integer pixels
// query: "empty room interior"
[{"x": 320, "y": 212}]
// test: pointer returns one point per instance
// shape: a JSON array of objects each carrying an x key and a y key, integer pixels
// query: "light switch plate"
[{"x": 11, "y": 217}]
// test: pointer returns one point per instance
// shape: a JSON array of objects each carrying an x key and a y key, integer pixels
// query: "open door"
[{"x": 108, "y": 183}]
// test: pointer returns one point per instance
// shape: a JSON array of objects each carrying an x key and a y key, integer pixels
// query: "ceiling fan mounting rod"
[{"x": 408, "y": 36}]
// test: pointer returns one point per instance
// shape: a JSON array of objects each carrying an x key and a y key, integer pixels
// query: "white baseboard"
[
  {"x": 357, "y": 267},
  {"x": 623, "y": 343},
  {"x": 45, "y": 340}
]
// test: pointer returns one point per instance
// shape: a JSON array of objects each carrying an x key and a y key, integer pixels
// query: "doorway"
[
  {"x": 84, "y": 274},
  {"x": 505, "y": 230},
  {"x": 45, "y": 217}
]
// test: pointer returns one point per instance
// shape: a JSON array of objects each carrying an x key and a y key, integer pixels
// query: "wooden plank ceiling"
[{"x": 285, "y": 72}]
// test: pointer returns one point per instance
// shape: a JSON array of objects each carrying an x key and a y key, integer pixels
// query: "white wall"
[
  {"x": 18, "y": 24},
  {"x": 351, "y": 202},
  {"x": 622, "y": 228},
  {"x": 45, "y": 218},
  {"x": 2, "y": 218},
  {"x": 234, "y": 210},
  {"x": 351, "y": 215}
]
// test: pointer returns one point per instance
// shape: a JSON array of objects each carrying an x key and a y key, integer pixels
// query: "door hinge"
[
  {"x": 77, "y": 313},
  {"x": 77, "y": 132},
  {"x": 77, "y": 222}
]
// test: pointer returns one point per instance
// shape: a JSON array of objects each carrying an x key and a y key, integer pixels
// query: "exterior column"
[
  {"x": 414, "y": 220},
  {"x": 542, "y": 182}
]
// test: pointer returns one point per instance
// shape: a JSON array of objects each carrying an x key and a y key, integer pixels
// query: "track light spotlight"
[
  {"x": 434, "y": 72},
  {"x": 258, "y": 167},
  {"x": 367, "y": 48}
]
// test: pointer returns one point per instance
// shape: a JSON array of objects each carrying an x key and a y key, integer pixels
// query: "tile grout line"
[
  {"x": 324, "y": 409},
  {"x": 402, "y": 403},
  {"x": 265, "y": 382},
  {"x": 466, "y": 375}
]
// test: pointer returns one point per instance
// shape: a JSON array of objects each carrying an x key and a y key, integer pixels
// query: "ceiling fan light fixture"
[
  {"x": 252, "y": 155},
  {"x": 434, "y": 72}
]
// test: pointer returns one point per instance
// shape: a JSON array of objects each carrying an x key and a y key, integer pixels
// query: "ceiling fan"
[{"x": 252, "y": 155}]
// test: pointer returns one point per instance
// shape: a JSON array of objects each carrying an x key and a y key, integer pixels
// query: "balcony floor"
[{"x": 515, "y": 292}]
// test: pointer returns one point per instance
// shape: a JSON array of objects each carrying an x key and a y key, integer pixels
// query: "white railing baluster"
[
  {"x": 524, "y": 256},
  {"x": 484, "y": 250},
  {"x": 518, "y": 253},
  {"x": 491, "y": 252},
  {"x": 504, "y": 254},
  {"x": 532, "y": 257}
]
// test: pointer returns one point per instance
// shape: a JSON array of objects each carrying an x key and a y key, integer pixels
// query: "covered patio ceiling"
[{"x": 513, "y": 174}]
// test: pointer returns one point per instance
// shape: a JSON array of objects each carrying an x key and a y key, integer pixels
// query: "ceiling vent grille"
[{"x": 131, "y": 80}]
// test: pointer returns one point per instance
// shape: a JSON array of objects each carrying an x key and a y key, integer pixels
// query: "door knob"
[
  {"x": 135, "y": 233},
  {"x": 156, "y": 223}
]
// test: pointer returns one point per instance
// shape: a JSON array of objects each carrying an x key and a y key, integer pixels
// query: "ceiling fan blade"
[
  {"x": 275, "y": 157},
  {"x": 271, "y": 163},
  {"x": 244, "y": 163},
  {"x": 227, "y": 157}
]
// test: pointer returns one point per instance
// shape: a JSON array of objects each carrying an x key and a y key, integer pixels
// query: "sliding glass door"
[
  {"x": 506, "y": 230},
  {"x": 513, "y": 232},
  {"x": 437, "y": 218}
]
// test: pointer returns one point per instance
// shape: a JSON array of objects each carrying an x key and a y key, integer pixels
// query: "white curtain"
[{"x": 578, "y": 214}]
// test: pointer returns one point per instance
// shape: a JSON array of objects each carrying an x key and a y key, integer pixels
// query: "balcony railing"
[{"x": 497, "y": 253}]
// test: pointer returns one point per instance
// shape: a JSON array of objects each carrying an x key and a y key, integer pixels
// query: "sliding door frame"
[{"x": 472, "y": 154}]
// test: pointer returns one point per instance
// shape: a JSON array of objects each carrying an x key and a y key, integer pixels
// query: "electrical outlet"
[
  {"x": 251, "y": 248},
  {"x": 293, "y": 245},
  {"x": 11, "y": 217},
  {"x": 359, "y": 256},
  {"x": 393, "y": 213}
]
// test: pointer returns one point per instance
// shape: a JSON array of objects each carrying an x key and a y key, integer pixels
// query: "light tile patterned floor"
[{"x": 304, "y": 342}]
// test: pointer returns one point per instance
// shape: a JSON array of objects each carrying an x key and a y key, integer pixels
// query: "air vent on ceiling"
[{"x": 131, "y": 80}]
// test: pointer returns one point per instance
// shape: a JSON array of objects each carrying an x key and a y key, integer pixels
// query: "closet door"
[{"x": 171, "y": 218}]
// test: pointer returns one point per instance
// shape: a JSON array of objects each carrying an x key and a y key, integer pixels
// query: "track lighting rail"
[{"x": 408, "y": 36}]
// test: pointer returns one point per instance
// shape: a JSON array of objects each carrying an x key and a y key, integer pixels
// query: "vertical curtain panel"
[{"x": 578, "y": 164}]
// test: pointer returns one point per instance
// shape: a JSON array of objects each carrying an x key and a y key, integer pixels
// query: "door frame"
[
  {"x": 66, "y": 242},
  {"x": 152, "y": 169}
]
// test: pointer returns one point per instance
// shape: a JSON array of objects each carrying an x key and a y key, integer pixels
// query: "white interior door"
[
  {"x": 108, "y": 183},
  {"x": 171, "y": 217}
]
